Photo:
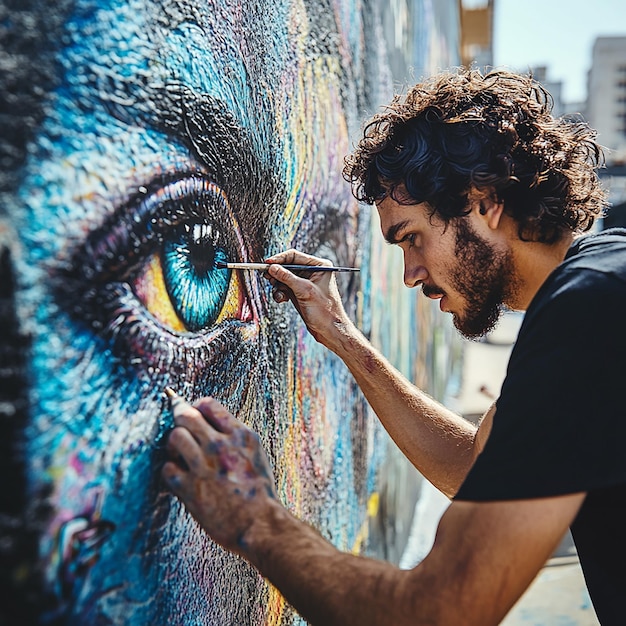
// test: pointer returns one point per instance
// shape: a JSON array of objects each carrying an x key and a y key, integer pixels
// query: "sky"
[{"x": 558, "y": 34}]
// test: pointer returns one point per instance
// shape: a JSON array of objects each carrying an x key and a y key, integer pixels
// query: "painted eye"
[
  {"x": 196, "y": 286},
  {"x": 181, "y": 284},
  {"x": 156, "y": 260}
]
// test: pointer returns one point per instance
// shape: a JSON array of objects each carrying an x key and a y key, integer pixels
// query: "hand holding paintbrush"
[
  {"x": 218, "y": 468},
  {"x": 315, "y": 295}
]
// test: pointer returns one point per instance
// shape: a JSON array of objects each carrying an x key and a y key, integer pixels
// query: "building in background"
[
  {"x": 606, "y": 111},
  {"x": 477, "y": 32},
  {"x": 606, "y": 95},
  {"x": 555, "y": 87}
]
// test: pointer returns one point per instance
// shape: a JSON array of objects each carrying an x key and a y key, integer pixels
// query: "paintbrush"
[{"x": 261, "y": 267}]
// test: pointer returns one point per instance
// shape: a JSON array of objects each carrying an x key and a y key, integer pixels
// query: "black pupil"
[{"x": 202, "y": 254}]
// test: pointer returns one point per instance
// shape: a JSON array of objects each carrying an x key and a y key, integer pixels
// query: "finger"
[
  {"x": 181, "y": 443},
  {"x": 302, "y": 288},
  {"x": 217, "y": 415},
  {"x": 189, "y": 417},
  {"x": 280, "y": 294},
  {"x": 175, "y": 457},
  {"x": 296, "y": 257},
  {"x": 282, "y": 276},
  {"x": 175, "y": 478}
]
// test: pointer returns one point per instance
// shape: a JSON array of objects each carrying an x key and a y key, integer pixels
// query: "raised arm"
[{"x": 441, "y": 444}]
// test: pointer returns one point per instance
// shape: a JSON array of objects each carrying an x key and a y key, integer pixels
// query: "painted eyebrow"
[
  {"x": 235, "y": 155},
  {"x": 218, "y": 138},
  {"x": 391, "y": 236},
  {"x": 210, "y": 128}
]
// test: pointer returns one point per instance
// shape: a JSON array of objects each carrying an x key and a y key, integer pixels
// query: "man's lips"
[{"x": 434, "y": 293}]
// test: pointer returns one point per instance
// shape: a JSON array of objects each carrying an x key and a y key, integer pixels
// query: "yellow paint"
[
  {"x": 372, "y": 504},
  {"x": 230, "y": 308},
  {"x": 157, "y": 300},
  {"x": 361, "y": 536},
  {"x": 275, "y": 606}
]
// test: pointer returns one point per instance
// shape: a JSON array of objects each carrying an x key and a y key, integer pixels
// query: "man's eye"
[{"x": 182, "y": 286}]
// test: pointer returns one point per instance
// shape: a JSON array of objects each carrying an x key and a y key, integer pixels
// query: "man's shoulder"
[
  {"x": 594, "y": 267},
  {"x": 586, "y": 289},
  {"x": 603, "y": 252}
]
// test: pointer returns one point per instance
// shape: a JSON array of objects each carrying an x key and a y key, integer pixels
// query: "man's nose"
[{"x": 414, "y": 274}]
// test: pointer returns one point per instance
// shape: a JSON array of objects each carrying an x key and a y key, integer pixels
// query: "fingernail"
[{"x": 177, "y": 403}]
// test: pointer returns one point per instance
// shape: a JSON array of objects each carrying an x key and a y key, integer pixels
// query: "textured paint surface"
[{"x": 145, "y": 142}]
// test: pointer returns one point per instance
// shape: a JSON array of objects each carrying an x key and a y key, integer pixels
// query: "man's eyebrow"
[{"x": 391, "y": 236}]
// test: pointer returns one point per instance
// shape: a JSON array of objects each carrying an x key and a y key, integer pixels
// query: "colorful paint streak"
[{"x": 145, "y": 141}]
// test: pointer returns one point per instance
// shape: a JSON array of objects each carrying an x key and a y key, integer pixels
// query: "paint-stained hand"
[
  {"x": 219, "y": 470},
  {"x": 315, "y": 296}
]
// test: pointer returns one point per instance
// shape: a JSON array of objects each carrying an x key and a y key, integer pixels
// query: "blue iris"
[{"x": 196, "y": 287}]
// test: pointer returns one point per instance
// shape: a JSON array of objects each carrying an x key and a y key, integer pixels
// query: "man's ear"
[
  {"x": 488, "y": 207},
  {"x": 492, "y": 210}
]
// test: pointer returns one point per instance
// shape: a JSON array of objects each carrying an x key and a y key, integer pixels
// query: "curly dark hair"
[{"x": 495, "y": 132}]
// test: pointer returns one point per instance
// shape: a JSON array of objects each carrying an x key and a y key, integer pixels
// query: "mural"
[{"x": 142, "y": 142}]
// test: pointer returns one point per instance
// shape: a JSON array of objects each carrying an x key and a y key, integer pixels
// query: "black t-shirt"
[{"x": 560, "y": 423}]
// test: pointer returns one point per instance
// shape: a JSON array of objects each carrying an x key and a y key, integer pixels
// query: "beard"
[{"x": 485, "y": 277}]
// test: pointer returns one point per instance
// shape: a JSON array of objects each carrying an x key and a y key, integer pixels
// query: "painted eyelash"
[{"x": 148, "y": 217}]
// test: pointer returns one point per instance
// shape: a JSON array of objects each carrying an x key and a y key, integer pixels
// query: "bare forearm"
[
  {"x": 326, "y": 586},
  {"x": 465, "y": 579},
  {"x": 218, "y": 468},
  {"x": 437, "y": 441}
]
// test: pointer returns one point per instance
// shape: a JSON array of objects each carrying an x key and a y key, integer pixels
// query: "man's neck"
[{"x": 534, "y": 263}]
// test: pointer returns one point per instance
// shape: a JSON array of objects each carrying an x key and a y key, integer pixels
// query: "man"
[{"x": 487, "y": 195}]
